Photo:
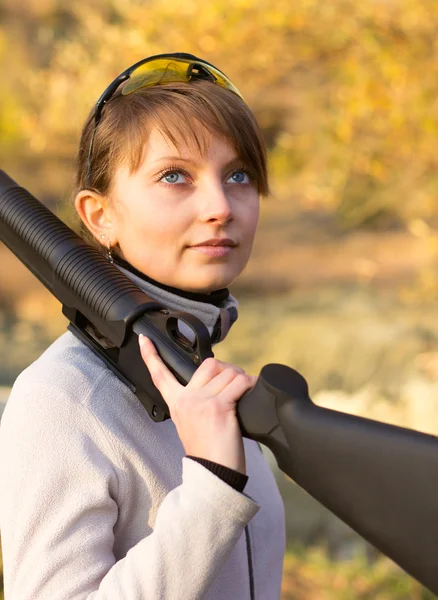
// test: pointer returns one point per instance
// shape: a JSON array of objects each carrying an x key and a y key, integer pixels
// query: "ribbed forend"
[
  {"x": 97, "y": 282},
  {"x": 33, "y": 222},
  {"x": 79, "y": 267}
]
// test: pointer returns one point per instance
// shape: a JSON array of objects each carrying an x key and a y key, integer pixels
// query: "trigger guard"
[{"x": 201, "y": 344}]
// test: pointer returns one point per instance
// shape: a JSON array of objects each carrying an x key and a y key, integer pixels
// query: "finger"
[
  {"x": 254, "y": 379},
  {"x": 210, "y": 368},
  {"x": 220, "y": 381},
  {"x": 235, "y": 389},
  {"x": 225, "y": 365},
  {"x": 162, "y": 378}
]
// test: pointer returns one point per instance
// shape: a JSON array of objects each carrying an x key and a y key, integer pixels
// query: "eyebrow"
[
  {"x": 233, "y": 161},
  {"x": 188, "y": 160}
]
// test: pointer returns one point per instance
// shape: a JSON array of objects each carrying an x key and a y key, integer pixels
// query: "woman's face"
[{"x": 185, "y": 219}]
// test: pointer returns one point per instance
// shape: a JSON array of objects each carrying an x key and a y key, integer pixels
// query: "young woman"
[{"x": 98, "y": 501}]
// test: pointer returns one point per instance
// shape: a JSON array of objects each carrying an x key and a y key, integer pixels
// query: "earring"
[{"x": 109, "y": 253}]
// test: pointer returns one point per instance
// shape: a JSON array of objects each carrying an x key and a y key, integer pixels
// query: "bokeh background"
[{"x": 343, "y": 281}]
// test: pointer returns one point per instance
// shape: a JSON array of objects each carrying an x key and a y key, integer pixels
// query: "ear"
[{"x": 96, "y": 214}]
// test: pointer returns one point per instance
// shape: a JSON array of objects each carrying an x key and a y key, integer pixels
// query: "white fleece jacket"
[{"x": 98, "y": 502}]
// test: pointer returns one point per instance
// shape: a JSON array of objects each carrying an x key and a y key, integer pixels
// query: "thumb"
[{"x": 163, "y": 379}]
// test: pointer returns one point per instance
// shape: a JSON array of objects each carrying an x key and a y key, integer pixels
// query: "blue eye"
[
  {"x": 239, "y": 177},
  {"x": 173, "y": 177}
]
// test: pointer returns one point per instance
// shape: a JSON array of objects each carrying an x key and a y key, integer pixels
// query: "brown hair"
[{"x": 127, "y": 120}]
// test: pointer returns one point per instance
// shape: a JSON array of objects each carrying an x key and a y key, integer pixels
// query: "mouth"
[
  {"x": 216, "y": 242},
  {"x": 215, "y": 247}
]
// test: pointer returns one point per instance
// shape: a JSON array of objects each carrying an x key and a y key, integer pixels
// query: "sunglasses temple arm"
[
  {"x": 88, "y": 165},
  {"x": 108, "y": 94},
  {"x": 104, "y": 98}
]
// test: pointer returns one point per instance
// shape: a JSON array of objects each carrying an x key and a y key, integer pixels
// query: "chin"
[{"x": 206, "y": 285}]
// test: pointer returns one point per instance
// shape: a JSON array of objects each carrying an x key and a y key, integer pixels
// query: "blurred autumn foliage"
[
  {"x": 310, "y": 575},
  {"x": 346, "y": 92}
]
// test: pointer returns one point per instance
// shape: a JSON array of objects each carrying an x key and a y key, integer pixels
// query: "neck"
[
  {"x": 218, "y": 310},
  {"x": 216, "y": 297}
]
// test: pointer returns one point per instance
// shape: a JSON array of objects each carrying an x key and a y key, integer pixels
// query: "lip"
[
  {"x": 213, "y": 251},
  {"x": 215, "y": 247},
  {"x": 216, "y": 242}
]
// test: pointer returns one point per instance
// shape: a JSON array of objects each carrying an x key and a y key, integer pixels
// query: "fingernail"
[{"x": 141, "y": 340}]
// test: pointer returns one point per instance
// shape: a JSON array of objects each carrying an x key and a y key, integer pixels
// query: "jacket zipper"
[{"x": 250, "y": 565}]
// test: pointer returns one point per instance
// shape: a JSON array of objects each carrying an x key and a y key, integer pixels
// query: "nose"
[{"x": 216, "y": 206}]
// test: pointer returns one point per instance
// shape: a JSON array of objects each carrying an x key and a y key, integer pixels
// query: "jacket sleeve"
[{"x": 58, "y": 509}]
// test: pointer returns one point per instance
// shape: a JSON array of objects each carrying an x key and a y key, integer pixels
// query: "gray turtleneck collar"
[{"x": 217, "y": 319}]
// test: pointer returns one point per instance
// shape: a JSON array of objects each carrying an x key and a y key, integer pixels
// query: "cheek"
[
  {"x": 151, "y": 237},
  {"x": 137, "y": 236},
  {"x": 250, "y": 218},
  {"x": 142, "y": 223}
]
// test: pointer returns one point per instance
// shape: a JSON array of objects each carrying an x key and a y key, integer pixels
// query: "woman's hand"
[{"x": 204, "y": 411}]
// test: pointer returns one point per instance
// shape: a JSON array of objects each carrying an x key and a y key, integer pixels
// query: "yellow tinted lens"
[
  {"x": 156, "y": 72},
  {"x": 223, "y": 81},
  {"x": 170, "y": 70}
]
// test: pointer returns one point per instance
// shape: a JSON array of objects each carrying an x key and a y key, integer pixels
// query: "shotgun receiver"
[{"x": 380, "y": 479}]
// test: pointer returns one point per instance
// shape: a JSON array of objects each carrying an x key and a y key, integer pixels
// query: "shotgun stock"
[{"x": 380, "y": 479}]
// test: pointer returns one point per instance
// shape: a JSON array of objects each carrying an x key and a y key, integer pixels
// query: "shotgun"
[{"x": 380, "y": 479}]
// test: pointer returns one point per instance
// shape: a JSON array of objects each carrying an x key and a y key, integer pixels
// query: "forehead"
[{"x": 204, "y": 146}]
